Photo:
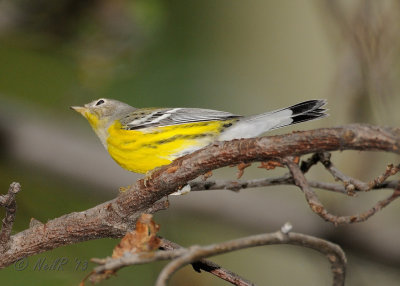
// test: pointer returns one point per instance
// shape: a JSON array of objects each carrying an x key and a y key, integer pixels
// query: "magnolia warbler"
[{"x": 140, "y": 140}]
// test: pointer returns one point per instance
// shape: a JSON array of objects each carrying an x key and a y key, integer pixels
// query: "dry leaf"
[
  {"x": 272, "y": 164},
  {"x": 241, "y": 168},
  {"x": 142, "y": 239}
]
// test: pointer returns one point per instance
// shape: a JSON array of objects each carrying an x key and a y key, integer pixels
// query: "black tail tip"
[
  {"x": 308, "y": 106},
  {"x": 308, "y": 110}
]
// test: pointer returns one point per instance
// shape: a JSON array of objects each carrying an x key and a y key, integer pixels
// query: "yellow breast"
[{"x": 144, "y": 150}]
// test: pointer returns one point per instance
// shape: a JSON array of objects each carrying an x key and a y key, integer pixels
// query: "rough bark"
[{"x": 115, "y": 217}]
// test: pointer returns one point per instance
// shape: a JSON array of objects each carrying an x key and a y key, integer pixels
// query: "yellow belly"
[{"x": 144, "y": 150}]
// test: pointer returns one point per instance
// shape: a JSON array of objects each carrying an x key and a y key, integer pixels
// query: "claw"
[{"x": 148, "y": 176}]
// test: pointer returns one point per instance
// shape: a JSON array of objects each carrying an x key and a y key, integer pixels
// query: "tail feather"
[
  {"x": 308, "y": 110},
  {"x": 307, "y": 117},
  {"x": 256, "y": 125},
  {"x": 306, "y": 106},
  {"x": 301, "y": 112}
]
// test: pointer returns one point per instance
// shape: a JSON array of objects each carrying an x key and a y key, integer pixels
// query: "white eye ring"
[{"x": 101, "y": 101}]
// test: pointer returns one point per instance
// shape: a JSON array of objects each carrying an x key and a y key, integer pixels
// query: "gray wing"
[{"x": 173, "y": 116}]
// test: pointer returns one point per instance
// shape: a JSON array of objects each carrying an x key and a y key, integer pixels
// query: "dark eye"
[{"x": 100, "y": 102}]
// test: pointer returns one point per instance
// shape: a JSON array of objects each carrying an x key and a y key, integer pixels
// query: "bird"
[{"x": 143, "y": 139}]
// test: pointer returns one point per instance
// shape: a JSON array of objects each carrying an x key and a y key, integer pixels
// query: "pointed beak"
[{"x": 80, "y": 109}]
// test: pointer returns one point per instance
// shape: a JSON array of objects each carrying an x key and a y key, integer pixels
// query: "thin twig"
[
  {"x": 317, "y": 207},
  {"x": 334, "y": 253},
  {"x": 209, "y": 266},
  {"x": 390, "y": 171},
  {"x": 306, "y": 165},
  {"x": 135, "y": 258},
  {"x": 351, "y": 184},
  {"x": 237, "y": 185},
  {"x": 9, "y": 203},
  {"x": 184, "y": 256},
  {"x": 171, "y": 251}
]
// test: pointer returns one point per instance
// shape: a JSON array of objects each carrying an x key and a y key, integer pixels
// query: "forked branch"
[
  {"x": 114, "y": 218},
  {"x": 183, "y": 256},
  {"x": 317, "y": 207}
]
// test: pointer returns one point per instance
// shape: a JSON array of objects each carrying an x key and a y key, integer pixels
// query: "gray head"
[
  {"x": 101, "y": 113},
  {"x": 103, "y": 109}
]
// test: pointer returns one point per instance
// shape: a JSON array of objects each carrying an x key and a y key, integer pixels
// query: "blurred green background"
[{"x": 245, "y": 57}]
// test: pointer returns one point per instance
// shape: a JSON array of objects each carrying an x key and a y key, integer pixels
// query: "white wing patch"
[
  {"x": 141, "y": 120},
  {"x": 174, "y": 116}
]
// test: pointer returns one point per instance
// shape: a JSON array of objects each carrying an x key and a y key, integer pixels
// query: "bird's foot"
[{"x": 148, "y": 176}]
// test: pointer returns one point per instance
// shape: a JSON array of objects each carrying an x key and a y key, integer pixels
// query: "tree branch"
[
  {"x": 209, "y": 266},
  {"x": 317, "y": 207},
  {"x": 9, "y": 203},
  {"x": 237, "y": 185},
  {"x": 114, "y": 218},
  {"x": 196, "y": 254},
  {"x": 334, "y": 253}
]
